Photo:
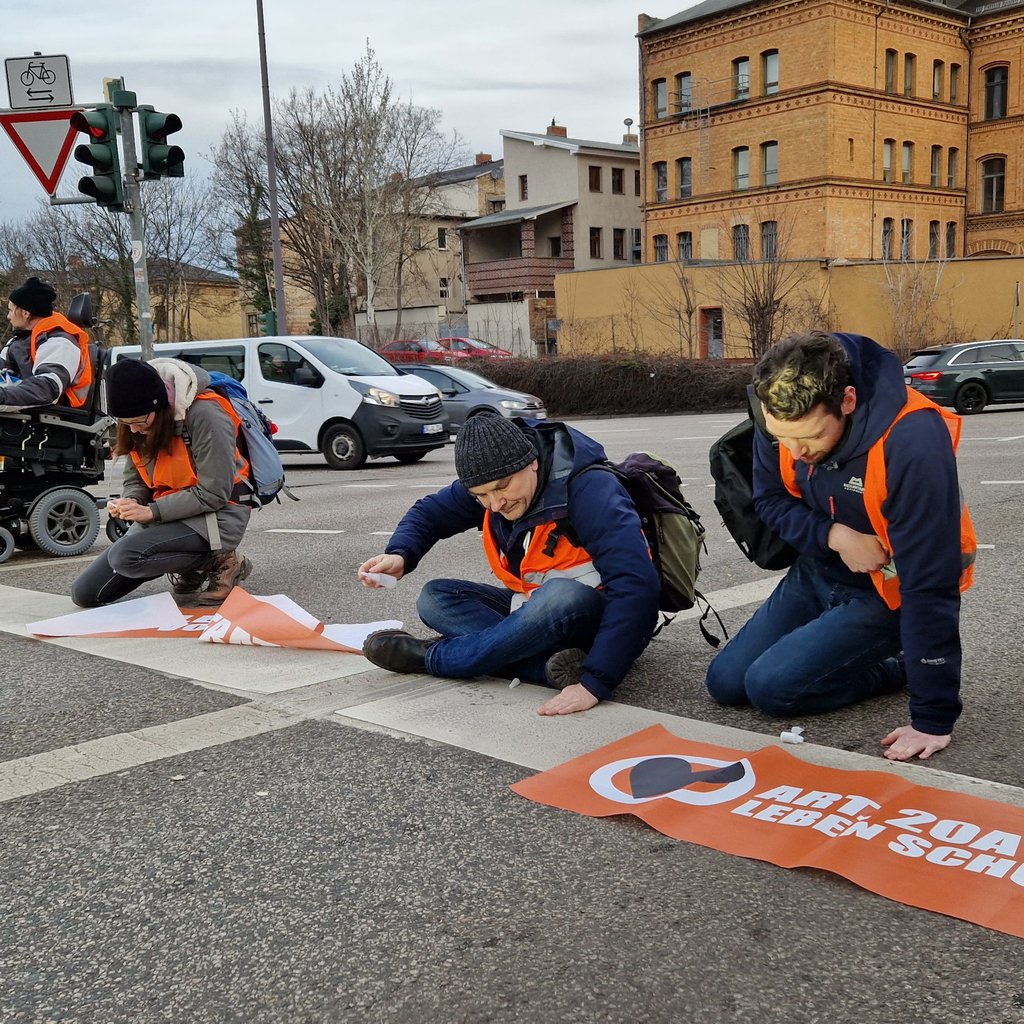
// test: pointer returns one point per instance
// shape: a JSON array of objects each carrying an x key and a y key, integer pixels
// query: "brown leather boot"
[
  {"x": 229, "y": 568},
  {"x": 186, "y": 586}
]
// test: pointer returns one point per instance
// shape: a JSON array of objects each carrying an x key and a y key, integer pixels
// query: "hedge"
[{"x": 622, "y": 385}]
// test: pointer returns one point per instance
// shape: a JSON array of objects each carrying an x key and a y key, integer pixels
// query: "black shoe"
[
  {"x": 565, "y": 668},
  {"x": 397, "y": 651}
]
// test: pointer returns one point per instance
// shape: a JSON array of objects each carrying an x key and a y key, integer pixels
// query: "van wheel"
[
  {"x": 343, "y": 447},
  {"x": 970, "y": 398}
]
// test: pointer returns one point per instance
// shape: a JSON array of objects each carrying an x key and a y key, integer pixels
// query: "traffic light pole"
[{"x": 124, "y": 101}]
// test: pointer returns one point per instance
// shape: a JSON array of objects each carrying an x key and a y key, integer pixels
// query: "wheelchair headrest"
[{"x": 80, "y": 311}]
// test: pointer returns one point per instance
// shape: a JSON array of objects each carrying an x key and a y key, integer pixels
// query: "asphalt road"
[{"x": 335, "y": 843}]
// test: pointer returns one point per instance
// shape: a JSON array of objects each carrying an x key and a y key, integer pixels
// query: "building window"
[
  {"x": 954, "y": 83},
  {"x": 442, "y": 287},
  {"x": 951, "y": 168},
  {"x": 595, "y": 244},
  {"x": 741, "y": 168},
  {"x": 594, "y": 174},
  {"x": 555, "y": 246},
  {"x": 936, "y": 167},
  {"x": 890, "y": 71},
  {"x": 684, "y": 245},
  {"x": 524, "y": 189},
  {"x": 495, "y": 205},
  {"x": 442, "y": 238},
  {"x": 770, "y": 163},
  {"x": 950, "y": 239},
  {"x": 618, "y": 187},
  {"x": 661, "y": 182},
  {"x": 635, "y": 244},
  {"x": 908, "y": 163},
  {"x": 684, "y": 172},
  {"x": 741, "y": 78},
  {"x": 684, "y": 93},
  {"x": 770, "y": 72},
  {"x": 618, "y": 243},
  {"x": 888, "y": 147},
  {"x": 933, "y": 239},
  {"x": 769, "y": 240},
  {"x": 888, "y": 226},
  {"x": 995, "y": 92},
  {"x": 993, "y": 177},
  {"x": 659, "y": 97},
  {"x": 938, "y": 74},
  {"x": 909, "y": 73},
  {"x": 906, "y": 238},
  {"x": 636, "y": 182},
  {"x": 741, "y": 242},
  {"x": 661, "y": 248}
]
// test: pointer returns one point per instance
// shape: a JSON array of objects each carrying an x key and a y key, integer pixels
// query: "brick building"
[{"x": 833, "y": 129}]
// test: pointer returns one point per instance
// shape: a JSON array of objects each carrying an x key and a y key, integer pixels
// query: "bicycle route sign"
[{"x": 39, "y": 82}]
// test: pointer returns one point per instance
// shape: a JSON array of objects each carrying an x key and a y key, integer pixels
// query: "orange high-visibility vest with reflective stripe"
[
  {"x": 887, "y": 582},
  {"x": 78, "y": 390},
  {"x": 173, "y": 469}
]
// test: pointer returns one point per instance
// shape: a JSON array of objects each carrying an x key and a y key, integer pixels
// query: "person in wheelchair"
[
  {"x": 182, "y": 475},
  {"x": 48, "y": 360}
]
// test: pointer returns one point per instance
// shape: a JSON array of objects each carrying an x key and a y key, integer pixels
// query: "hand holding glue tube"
[{"x": 382, "y": 571}]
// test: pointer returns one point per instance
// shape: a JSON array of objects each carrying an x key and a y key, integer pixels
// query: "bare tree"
[
  {"x": 673, "y": 304},
  {"x": 917, "y": 304}
]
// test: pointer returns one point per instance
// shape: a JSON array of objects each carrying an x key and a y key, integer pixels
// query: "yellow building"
[{"x": 832, "y": 129}]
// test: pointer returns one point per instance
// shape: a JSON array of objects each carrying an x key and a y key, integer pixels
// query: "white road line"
[
  {"x": 382, "y": 533},
  {"x": 989, "y": 546},
  {"x": 699, "y": 437},
  {"x": 1001, "y": 481},
  {"x": 278, "y": 530},
  {"x": 1016, "y": 437}
]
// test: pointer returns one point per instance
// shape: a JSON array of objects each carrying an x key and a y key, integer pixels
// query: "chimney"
[
  {"x": 557, "y": 130},
  {"x": 630, "y": 140},
  {"x": 483, "y": 158}
]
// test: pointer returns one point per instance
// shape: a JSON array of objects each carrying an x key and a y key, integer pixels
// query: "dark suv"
[{"x": 971, "y": 375}]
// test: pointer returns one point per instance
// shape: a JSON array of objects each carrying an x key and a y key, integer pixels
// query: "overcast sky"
[{"x": 487, "y": 67}]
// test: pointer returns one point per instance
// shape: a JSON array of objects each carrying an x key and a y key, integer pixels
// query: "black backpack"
[
  {"x": 732, "y": 468},
  {"x": 673, "y": 530}
]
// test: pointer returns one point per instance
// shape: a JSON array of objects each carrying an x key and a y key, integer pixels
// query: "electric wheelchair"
[{"x": 48, "y": 457}]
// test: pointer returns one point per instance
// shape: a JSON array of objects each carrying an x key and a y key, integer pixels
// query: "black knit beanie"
[
  {"x": 489, "y": 448},
  {"x": 35, "y": 297},
  {"x": 134, "y": 389}
]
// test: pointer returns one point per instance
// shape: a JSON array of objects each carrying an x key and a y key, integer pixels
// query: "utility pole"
[{"x": 281, "y": 313}]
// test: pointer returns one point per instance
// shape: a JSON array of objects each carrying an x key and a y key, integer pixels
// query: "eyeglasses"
[{"x": 138, "y": 422}]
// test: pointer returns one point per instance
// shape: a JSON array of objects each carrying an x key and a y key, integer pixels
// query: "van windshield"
[{"x": 342, "y": 355}]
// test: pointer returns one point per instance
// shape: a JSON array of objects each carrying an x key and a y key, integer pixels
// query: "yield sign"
[{"x": 44, "y": 138}]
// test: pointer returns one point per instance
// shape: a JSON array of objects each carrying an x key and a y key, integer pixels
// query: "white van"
[{"x": 330, "y": 395}]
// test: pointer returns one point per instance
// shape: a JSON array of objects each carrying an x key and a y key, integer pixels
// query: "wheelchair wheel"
[
  {"x": 6, "y": 544},
  {"x": 64, "y": 521},
  {"x": 116, "y": 529}
]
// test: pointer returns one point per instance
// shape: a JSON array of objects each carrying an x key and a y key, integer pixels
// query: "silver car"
[{"x": 466, "y": 394}]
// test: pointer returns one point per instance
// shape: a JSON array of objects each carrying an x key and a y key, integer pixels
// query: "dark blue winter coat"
[
  {"x": 604, "y": 520},
  {"x": 922, "y": 508}
]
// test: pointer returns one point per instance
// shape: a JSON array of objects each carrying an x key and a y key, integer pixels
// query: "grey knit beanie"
[{"x": 489, "y": 448}]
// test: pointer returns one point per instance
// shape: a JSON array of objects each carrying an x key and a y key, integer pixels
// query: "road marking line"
[
  {"x": 382, "y": 533},
  {"x": 699, "y": 437},
  {"x": 1002, "y": 481},
  {"x": 303, "y": 531},
  {"x": 49, "y": 563}
]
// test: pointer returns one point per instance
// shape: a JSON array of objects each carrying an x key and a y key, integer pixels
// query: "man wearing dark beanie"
[
  {"x": 577, "y": 600},
  {"x": 47, "y": 352}
]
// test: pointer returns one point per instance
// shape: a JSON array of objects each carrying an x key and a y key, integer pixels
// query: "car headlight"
[
  {"x": 378, "y": 396},
  {"x": 509, "y": 404}
]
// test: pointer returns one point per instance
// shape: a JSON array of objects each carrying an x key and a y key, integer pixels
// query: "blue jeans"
[
  {"x": 481, "y": 637},
  {"x": 815, "y": 645}
]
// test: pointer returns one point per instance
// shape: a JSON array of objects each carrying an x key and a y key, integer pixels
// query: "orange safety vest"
[
  {"x": 173, "y": 469},
  {"x": 78, "y": 390},
  {"x": 549, "y": 553},
  {"x": 886, "y": 580}
]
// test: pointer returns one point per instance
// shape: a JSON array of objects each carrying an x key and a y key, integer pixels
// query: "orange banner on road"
[{"x": 954, "y": 854}]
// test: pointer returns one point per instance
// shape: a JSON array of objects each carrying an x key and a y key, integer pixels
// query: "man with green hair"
[{"x": 859, "y": 475}]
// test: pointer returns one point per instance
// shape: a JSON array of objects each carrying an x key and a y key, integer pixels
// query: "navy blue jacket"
[
  {"x": 604, "y": 520},
  {"x": 922, "y": 508}
]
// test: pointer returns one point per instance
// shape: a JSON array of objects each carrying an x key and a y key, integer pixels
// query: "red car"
[
  {"x": 475, "y": 347},
  {"x": 421, "y": 351}
]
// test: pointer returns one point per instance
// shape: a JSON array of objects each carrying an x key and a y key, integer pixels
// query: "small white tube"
[
  {"x": 794, "y": 735},
  {"x": 382, "y": 579}
]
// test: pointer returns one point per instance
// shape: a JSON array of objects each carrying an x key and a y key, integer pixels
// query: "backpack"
[
  {"x": 672, "y": 528},
  {"x": 732, "y": 468},
  {"x": 255, "y": 433}
]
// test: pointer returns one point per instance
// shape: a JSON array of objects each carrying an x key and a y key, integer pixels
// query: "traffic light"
[
  {"x": 158, "y": 159},
  {"x": 268, "y": 323},
  {"x": 105, "y": 184}
]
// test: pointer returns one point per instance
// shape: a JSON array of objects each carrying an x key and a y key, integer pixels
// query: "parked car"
[
  {"x": 475, "y": 347},
  {"x": 422, "y": 351},
  {"x": 466, "y": 394},
  {"x": 970, "y": 375}
]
